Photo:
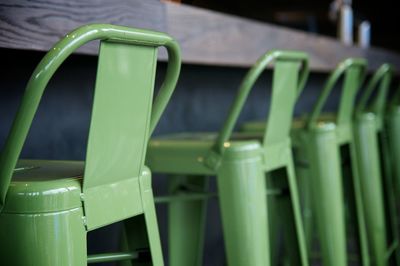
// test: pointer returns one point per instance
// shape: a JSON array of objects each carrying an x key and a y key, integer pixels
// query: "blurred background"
[{"x": 316, "y": 16}]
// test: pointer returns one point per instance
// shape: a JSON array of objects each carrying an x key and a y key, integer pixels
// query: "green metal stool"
[
  {"x": 240, "y": 166},
  {"x": 318, "y": 140},
  {"x": 47, "y": 207},
  {"x": 375, "y": 170}
]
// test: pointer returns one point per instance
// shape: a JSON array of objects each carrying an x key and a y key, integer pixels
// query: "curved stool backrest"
[
  {"x": 354, "y": 71},
  {"x": 379, "y": 82},
  {"x": 122, "y": 114},
  {"x": 290, "y": 73}
]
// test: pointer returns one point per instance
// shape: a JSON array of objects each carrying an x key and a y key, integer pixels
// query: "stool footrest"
[
  {"x": 118, "y": 256},
  {"x": 201, "y": 196},
  {"x": 184, "y": 197}
]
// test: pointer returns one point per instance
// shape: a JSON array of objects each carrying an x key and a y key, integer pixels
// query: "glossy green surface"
[
  {"x": 327, "y": 192},
  {"x": 373, "y": 152},
  {"x": 240, "y": 164},
  {"x": 47, "y": 238},
  {"x": 378, "y": 83},
  {"x": 55, "y": 57},
  {"x": 318, "y": 138},
  {"x": 50, "y": 205},
  {"x": 326, "y": 185},
  {"x": 284, "y": 93},
  {"x": 118, "y": 135},
  {"x": 366, "y": 137},
  {"x": 45, "y": 186},
  {"x": 353, "y": 70}
]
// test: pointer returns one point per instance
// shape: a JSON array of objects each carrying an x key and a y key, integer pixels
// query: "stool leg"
[
  {"x": 141, "y": 232},
  {"x": 288, "y": 204},
  {"x": 187, "y": 221},
  {"x": 294, "y": 196},
  {"x": 371, "y": 187},
  {"x": 356, "y": 198},
  {"x": 151, "y": 218},
  {"x": 135, "y": 238},
  {"x": 326, "y": 184},
  {"x": 354, "y": 213},
  {"x": 286, "y": 217},
  {"x": 29, "y": 239},
  {"x": 243, "y": 204},
  {"x": 303, "y": 176},
  {"x": 309, "y": 224}
]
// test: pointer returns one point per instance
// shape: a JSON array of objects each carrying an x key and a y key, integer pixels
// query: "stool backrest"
[
  {"x": 354, "y": 71},
  {"x": 380, "y": 83},
  {"x": 122, "y": 117},
  {"x": 290, "y": 73}
]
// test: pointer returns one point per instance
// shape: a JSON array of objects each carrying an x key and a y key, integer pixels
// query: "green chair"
[
  {"x": 240, "y": 166},
  {"x": 47, "y": 207},
  {"x": 377, "y": 182},
  {"x": 320, "y": 143}
]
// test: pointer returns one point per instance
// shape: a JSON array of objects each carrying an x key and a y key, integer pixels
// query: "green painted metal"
[
  {"x": 51, "y": 205},
  {"x": 354, "y": 71},
  {"x": 379, "y": 81},
  {"x": 371, "y": 185},
  {"x": 43, "y": 238},
  {"x": 318, "y": 140},
  {"x": 106, "y": 257},
  {"x": 282, "y": 99},
  {"x": 241, "y": 166},
  {"x": 375, "y": 169},
  {"x": 326, "y": 178},
  {"x": 200, "y": 196},
  {"x": 326, "y": 188},
  {"x": 25, "y": 197},
  {"x": 184, "y": 224}
]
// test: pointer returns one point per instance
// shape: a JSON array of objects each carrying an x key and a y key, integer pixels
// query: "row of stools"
[{"x": 342, "y": 179}]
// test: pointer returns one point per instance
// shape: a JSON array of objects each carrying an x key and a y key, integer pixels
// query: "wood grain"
[
  {"x": 37, "y": 25},
  {"x": 206, "y": 37}
]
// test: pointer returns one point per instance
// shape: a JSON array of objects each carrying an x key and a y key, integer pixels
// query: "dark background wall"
[{"x": 200, "y": 103}]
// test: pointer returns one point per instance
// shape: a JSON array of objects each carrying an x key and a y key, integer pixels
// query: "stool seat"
[
  {"x": 45, "y": 186},
  {"x": 255, "y": 129}
]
